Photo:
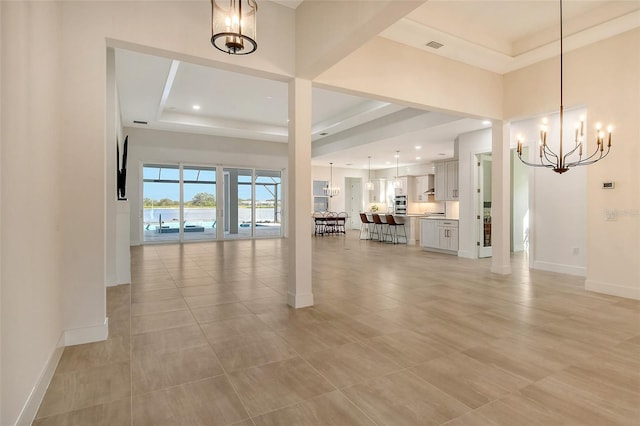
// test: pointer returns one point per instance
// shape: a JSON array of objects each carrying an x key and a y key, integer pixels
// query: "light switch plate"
[
  {"x": 608, "y": 185},
  {"x": 611, "y": 214}
]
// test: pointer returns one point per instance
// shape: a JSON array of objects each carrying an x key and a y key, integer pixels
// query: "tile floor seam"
[
  {"x": 319, "y": 373},
  {"x": 224, "y": 370}
]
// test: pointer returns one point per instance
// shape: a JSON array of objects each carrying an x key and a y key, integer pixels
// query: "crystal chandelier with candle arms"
[{"x": 561, "y": 162}]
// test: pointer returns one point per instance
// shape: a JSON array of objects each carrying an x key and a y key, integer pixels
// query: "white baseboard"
[
  {"x": 612, "y": 289},
  {"x": 78, "y": 336},
  {"x": 300, "y": 300},
  {"x": 30, "y": 409},
  {"x": 501, "y": 269},
  {"x": 579, "y": 271},
  {"x": 119, "y": 281},
  {"x": 467, "y": 254}
]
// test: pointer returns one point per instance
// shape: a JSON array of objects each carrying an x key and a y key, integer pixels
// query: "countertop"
[{"x": 438, "y": 217}]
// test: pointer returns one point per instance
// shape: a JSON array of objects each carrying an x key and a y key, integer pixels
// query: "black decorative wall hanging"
[{"x": 122, "y": 169}]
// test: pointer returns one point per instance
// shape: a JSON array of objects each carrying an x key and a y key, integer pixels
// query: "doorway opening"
[
  {"x": 353, "y": 201},
  {"x": 483, "y": 203}
]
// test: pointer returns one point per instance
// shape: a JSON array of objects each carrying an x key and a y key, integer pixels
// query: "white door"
[
  {"x": 353, "y": 202},
  {"x": 483, "y": 209}
]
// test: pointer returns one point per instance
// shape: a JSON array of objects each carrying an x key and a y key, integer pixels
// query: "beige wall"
[
  {"x": 604, "y": 78},
  {"x": 327, "y": 31},
  {"x": 32, "y": 288},
  {"x": 392, "y": 71}
]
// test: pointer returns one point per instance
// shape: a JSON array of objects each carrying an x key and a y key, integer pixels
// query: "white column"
[
  {"x": 500, "y": 199},
  {"x": 299, "y": 194}
]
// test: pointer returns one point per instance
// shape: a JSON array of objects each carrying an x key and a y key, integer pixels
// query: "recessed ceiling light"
[
  {"x": 387, "y": 162},
  {"x": 418, "y": 147},
  {"x": 486, "y": 122},
  {"x": 417, "y": 158},
  {"x": 397, "y": 156},
  {"x": 196, "y": 107}
]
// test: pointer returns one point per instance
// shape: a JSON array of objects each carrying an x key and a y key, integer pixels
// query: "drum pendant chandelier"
[{"x": 233, "y": 26}]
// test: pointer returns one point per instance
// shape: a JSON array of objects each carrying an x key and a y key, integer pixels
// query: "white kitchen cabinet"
[
  {"x": 379, "y": 192},
  {"x": 447, "y": 181},
  {"x": 452, "y": 180},
  {"x": 402, "y": 188},
  {"x": 439, "y": 235},
  {"x": 448, "y": 235},
  {"x": 429, "y": 237}
]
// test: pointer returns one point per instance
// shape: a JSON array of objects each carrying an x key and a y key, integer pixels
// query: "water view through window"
[{"x": 249, "y": 204}]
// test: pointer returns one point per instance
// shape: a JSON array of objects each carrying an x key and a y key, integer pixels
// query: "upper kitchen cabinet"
[
  {"x": 423, "y": 188},
  {"x": 379, "y": 192},
  {"x": 447, "y": 181},
  {"x": 402, "y": 187}
]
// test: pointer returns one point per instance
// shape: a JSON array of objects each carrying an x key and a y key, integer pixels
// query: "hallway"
[{"x": 398, "y": 336}]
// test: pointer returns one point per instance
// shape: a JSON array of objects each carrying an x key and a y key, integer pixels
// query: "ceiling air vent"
[
  {"x": 434, "y": 44},
  {"x": 139, "y": 122},
  {"x": 324, "y": 134}
]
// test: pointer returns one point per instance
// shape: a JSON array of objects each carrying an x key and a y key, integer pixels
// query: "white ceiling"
[{"x": 495, "y": 35}]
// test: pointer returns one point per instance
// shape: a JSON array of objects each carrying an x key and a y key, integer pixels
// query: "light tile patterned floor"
[{"x": 398, "y": 336}]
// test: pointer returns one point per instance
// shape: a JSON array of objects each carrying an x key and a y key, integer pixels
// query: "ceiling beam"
[
  {"x": 327, "y": 31},
  {"x": 401, "y": 122}
]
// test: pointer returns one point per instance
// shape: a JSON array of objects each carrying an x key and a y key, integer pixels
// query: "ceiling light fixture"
[
  {"x": 330, "y": 190},
  {"x": 196, "y": 107},
  {"x": 560, "y": 163},
  {"x": 369, "y": 184},
  {"x": 397, "y": 182},
  {"x": 233, "y": 26}
]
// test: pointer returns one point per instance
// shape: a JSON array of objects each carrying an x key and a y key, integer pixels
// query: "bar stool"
[
  {"x": 393, "y": 224},
  {"x": 365, "y": 225},
  {"x": 378, "y": 227}
]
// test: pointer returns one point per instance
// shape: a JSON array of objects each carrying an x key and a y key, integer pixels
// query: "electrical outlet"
[{"x": 611, "y": 214}]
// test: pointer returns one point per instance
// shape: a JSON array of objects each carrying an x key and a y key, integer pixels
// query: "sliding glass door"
[
  {"x": 268, "y": 205},
  {"x": 238, "y": 196},
  {"x": 161, "y": 203},
  {"x": 184, "y": 203},
  {"x": 199, "y": 204}
]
